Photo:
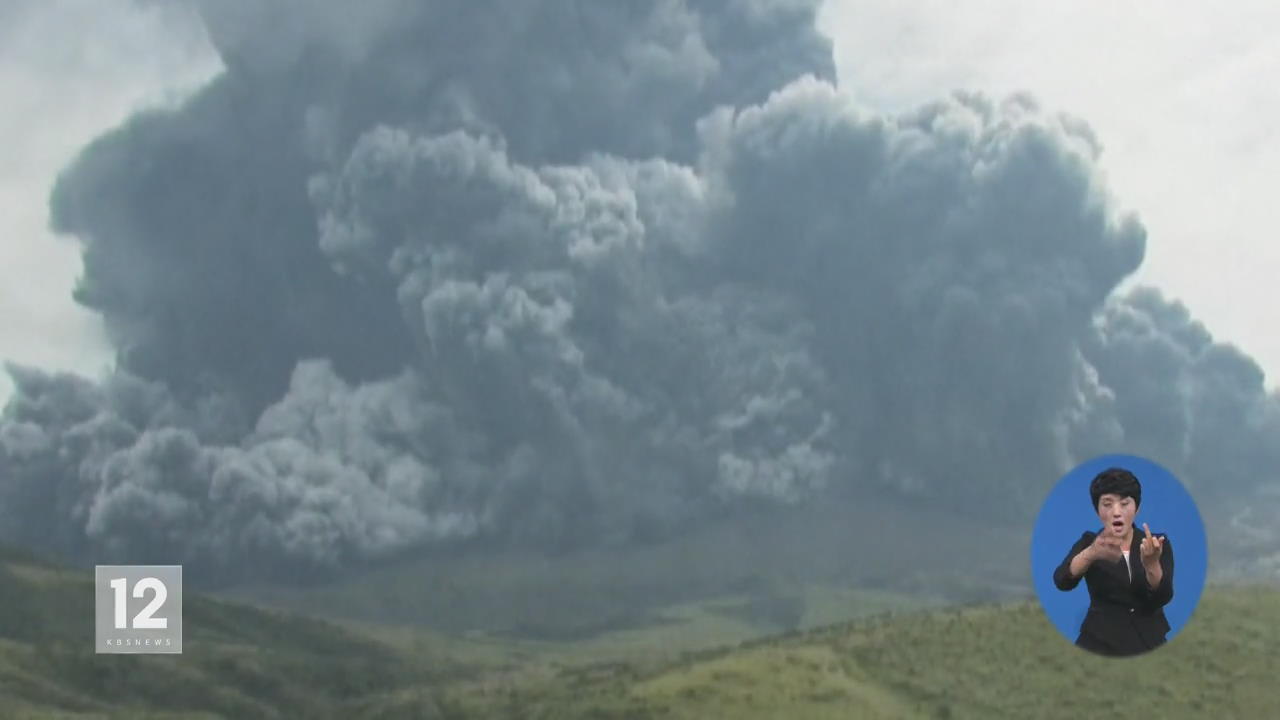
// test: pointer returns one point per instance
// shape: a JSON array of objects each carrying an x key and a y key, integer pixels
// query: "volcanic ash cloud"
[{"x": 573, "y": 274}]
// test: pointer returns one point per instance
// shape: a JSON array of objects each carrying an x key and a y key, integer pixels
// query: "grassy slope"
[
  {"x": 979, "y": 662},
  {"x": 982, "y": 661},
  {"x": 237, "y": 661}
]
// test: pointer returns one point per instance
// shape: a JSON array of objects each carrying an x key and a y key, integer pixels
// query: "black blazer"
[{"x": 1124, "y": 617}]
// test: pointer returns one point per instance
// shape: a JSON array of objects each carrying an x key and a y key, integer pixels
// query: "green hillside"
[
  {"x": 238, "y": 662},
  {"x": 980, "y": 661}
]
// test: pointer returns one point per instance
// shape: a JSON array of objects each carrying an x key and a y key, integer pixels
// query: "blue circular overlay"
[{"x": 1166, "y": 507}]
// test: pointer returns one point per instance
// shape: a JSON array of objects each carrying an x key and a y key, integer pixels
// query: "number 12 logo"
[
  {"x": 137, "y": 608},
  {"x": 143, "y": 620}
]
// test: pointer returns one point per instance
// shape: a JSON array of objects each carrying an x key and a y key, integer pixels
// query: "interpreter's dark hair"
[{"x": 1117, "y": 481}]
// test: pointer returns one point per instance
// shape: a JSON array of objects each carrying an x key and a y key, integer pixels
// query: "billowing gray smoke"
[{"x": 562, "y": 273}]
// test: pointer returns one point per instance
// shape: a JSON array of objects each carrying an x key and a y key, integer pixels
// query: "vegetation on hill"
[
  {"x": 984, "y": 660},
  {"x": 987, "y": 661},
  {"x": 238, "y": 661}
]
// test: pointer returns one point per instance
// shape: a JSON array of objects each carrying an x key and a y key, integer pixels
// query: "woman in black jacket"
[{"x": 1129, "y": 572}]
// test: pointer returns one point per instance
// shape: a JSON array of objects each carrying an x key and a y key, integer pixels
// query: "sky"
[
  {"x": 1176, "y": 93},
  {"x": 63, "y": 82},
  {"x": 1172, "y": 91}
]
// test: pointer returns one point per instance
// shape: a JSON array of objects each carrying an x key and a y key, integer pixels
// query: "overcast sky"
[
  {"x": 1176, "y": 94},
  {"x": 69, "y": 70}
]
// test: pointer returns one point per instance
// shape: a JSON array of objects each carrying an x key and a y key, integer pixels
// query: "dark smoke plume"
[{"x": 556, "y": 274}]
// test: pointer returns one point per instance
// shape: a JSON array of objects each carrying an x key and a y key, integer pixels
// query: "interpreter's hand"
[
  {"x": 1106, "y": 547},
  {"x": 1152, "y": 547}
]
